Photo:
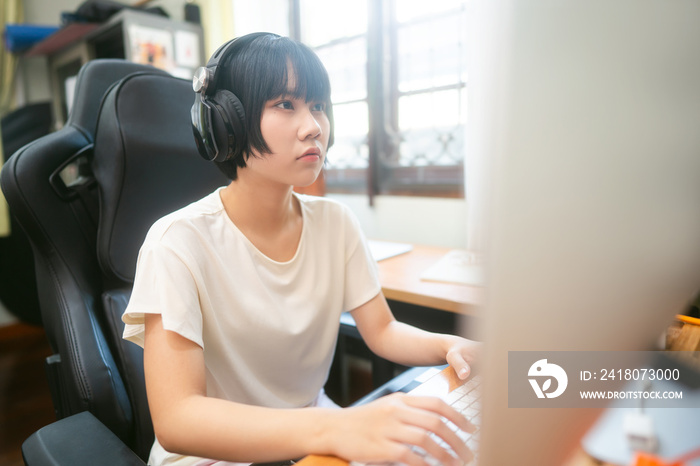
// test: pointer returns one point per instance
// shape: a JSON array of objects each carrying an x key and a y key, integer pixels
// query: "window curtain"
[{"x": 11, "y": 11}]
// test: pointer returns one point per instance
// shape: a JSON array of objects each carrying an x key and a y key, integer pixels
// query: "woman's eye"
[
  {"x": 319, "y": 107},
  {"x": 287, "y": 105}
]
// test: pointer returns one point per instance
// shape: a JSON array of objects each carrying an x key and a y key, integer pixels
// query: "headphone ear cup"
[{"x": 228, "y": 125}]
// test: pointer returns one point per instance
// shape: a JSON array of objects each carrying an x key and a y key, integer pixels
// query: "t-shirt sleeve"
[
  {"x": 361, "y": 270},
  {"x": 164, "y": 285}
]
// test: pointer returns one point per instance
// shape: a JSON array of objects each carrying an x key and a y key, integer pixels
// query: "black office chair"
[
  {"x": 143, "y": 164},
  {"x": 85, "y": 245}
]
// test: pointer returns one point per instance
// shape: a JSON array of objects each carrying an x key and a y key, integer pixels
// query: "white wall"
[
  {"x": 420, "y": 220},
  {"x": 49, "y": 11},
  {"x": 33, "y": 81}
]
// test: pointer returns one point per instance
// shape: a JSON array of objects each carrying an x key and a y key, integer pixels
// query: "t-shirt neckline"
[{"x": 252, "y": 246}]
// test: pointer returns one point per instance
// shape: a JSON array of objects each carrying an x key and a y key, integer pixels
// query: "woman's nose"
[{"x": 310, "y": 127}]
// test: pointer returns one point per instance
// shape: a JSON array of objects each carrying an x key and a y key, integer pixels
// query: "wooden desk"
[
  {"x": 400, "y": 279},
  {"x": 580, "y": 458}
]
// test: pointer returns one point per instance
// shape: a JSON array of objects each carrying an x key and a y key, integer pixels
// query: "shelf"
[{"x": 61, "y": 39}]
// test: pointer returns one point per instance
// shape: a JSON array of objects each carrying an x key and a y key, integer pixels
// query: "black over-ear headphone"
[{"x": 218, "y": 117}]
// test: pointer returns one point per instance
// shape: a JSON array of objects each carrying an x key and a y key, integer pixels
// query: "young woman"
[{"x": 237, "y": 297}]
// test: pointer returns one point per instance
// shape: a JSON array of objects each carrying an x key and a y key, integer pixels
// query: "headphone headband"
[{"x": 204, "y": 80}]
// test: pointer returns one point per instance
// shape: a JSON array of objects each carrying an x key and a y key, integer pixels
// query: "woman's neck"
[{"x": 260, "y": 208}]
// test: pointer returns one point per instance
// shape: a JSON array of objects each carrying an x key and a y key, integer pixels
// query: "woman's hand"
[
  {"x": 462, "y": 354},
  {"x": 408, "y": 345},
  {"x": 388, "y": 429}
]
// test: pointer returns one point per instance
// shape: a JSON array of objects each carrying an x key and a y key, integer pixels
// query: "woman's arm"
[
  {"x": 188, "y": 422},
  {"x": 408, "y": 345}
]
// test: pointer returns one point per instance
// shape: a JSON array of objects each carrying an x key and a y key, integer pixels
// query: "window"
[{"x": 398, "y": 74}]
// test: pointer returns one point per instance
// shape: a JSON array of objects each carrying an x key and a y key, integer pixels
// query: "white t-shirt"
[{"x": 268, "y": 328}]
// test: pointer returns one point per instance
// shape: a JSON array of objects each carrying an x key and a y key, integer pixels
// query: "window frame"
[{"x": 383, "y": 136}]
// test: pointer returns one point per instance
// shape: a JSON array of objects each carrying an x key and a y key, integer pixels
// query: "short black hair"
[{"x": 255, "y": 69}]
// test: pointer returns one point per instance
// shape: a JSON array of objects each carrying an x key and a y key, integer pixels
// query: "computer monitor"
[{"x": 584, "y": 148}]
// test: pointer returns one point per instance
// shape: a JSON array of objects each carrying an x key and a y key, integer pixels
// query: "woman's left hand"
[{"x": 462, "y": 354}]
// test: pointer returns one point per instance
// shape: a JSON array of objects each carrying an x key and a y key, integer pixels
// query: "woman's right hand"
[{"x": 388, "y": 429}]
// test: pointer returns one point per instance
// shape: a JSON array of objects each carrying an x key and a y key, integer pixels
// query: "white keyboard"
[{"x": 465, "y": 399}]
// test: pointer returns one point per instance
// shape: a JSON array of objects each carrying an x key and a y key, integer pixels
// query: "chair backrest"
[
  {"x": 146, "y": 165},
  {"x": 86, "y": 195}
]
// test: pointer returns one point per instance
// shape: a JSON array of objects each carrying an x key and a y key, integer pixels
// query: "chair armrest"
[{"x": 77, "y": 440}]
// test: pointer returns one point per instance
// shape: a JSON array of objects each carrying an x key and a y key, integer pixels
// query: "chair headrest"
[
  {"x": 94, "y": 79},
  {"x": 146, "y": 165}
]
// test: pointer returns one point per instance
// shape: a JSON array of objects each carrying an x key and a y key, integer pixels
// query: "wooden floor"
[{"x": 25, "y": 402}]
